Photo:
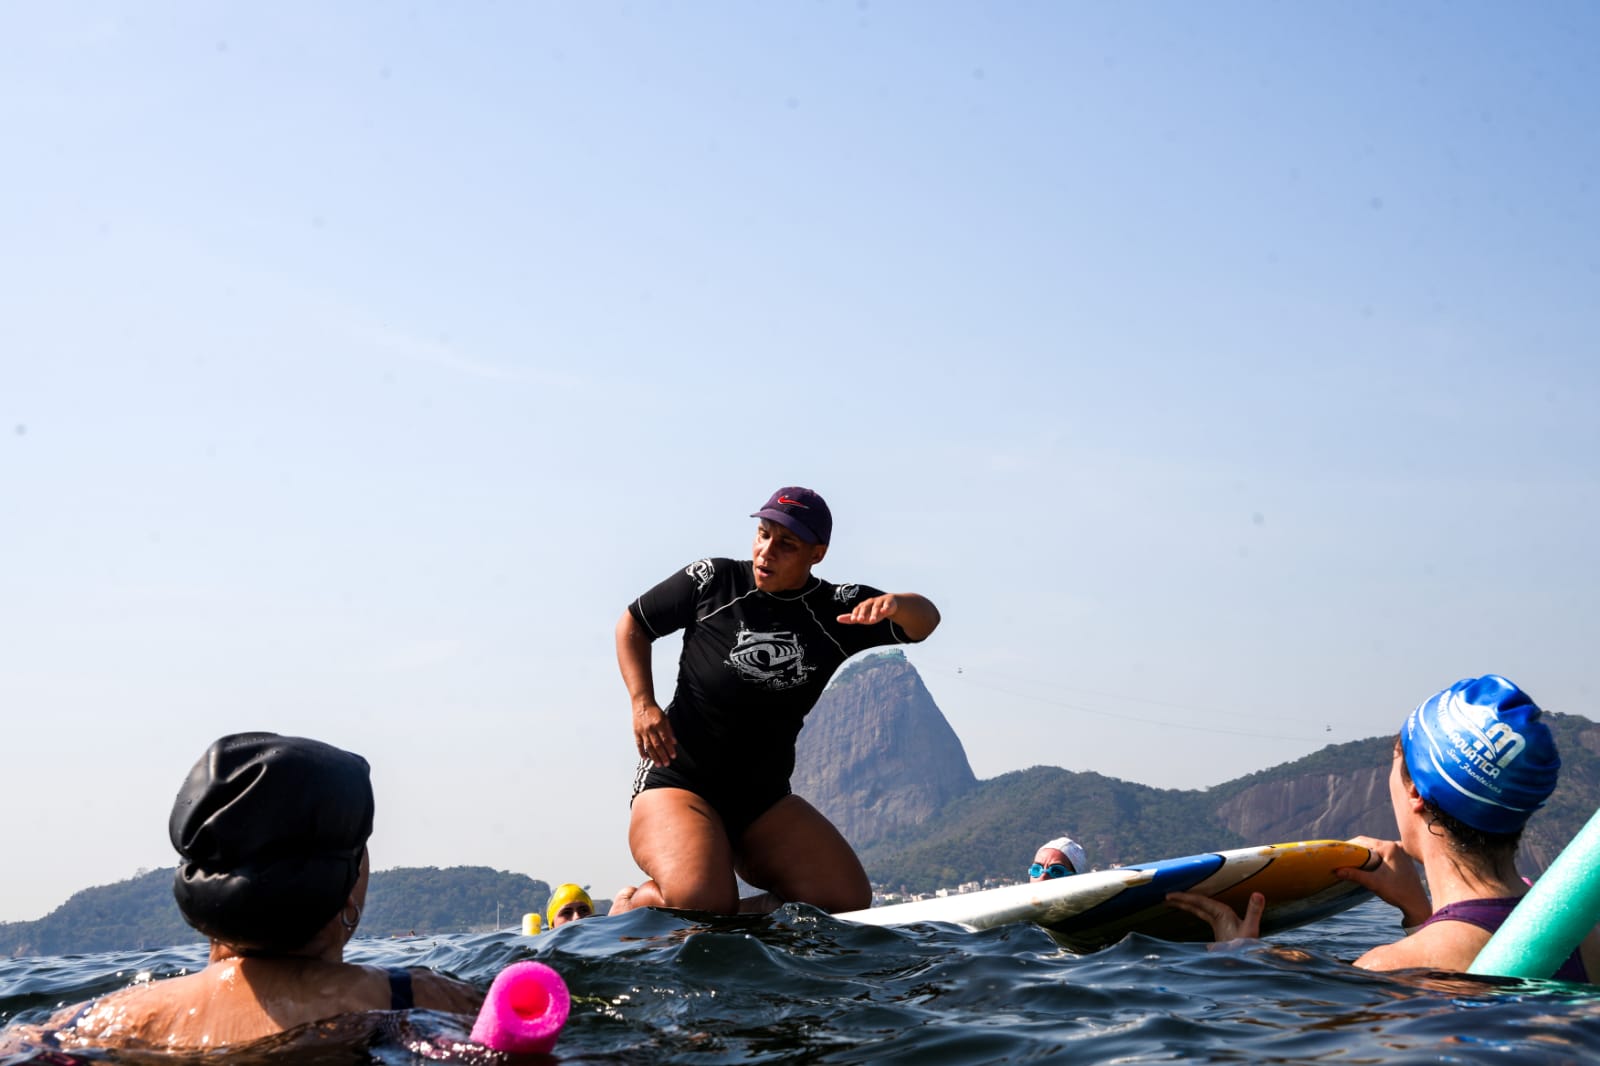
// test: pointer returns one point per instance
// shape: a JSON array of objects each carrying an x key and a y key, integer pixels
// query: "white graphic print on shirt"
[{"x": 776, "y": 660}]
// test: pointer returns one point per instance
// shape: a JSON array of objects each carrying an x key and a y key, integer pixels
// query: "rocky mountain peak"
[{"x": 876, "y": 753}]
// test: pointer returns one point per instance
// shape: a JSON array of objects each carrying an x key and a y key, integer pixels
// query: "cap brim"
[{"x": 789, "y": 522}]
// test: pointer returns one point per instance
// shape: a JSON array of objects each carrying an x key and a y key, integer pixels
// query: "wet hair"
[
  {"x": 271, "y": 830},
  {"x": 1469, "y": 840}
]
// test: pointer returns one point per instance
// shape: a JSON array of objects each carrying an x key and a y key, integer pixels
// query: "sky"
[{"x": 1226, "y": 374}]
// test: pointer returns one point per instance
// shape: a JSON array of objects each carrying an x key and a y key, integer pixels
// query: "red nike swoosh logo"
[{"x": 793, "y": 503}]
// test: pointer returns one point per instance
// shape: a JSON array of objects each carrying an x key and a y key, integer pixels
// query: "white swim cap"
[{"x": 1072, "y": 850}]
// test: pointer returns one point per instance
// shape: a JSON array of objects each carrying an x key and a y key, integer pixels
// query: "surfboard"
[{"x": 1090, "y": 911}]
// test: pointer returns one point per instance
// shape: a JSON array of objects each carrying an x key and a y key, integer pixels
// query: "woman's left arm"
[
  {"x": 913, "y": 613},
  {"x": 1226, "y": 923}
]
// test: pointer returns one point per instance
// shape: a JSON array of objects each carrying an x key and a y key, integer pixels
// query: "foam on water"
[{"x": 800, "y": 987}]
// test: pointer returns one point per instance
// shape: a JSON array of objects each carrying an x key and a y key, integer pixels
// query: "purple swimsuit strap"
[
  {"x": 1486, "y": 914},
  {"x": 1489, "y": 915}
]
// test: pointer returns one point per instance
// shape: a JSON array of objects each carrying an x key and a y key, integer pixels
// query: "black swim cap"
[{"x": 271, "y": 830}]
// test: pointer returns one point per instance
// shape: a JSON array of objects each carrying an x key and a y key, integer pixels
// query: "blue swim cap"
[{"x": 1478, "y": 752}]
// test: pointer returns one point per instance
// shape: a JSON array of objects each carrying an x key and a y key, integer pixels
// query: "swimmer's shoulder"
[
  {"x": 1444, "y": 945},
  {"x": 165, "y": 1014},
  {"x": 143, "y": 1015},
  {"x": 435, "y": 991}
]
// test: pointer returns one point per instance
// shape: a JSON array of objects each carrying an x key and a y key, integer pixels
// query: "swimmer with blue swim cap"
[
  {"x": 1471, "y": 764},
  {"x": 1479, "y": 753}
]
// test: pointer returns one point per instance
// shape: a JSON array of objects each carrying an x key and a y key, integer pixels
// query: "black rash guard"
[{"x": 753, "y": 665}]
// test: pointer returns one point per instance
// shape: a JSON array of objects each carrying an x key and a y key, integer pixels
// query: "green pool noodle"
[{"x": 1558, "y": 911}]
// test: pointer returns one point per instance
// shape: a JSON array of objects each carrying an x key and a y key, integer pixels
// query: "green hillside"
[
  {"x": 139, "y": 913},
  {"x": 134, "y": 914},
  {"x": 459, "y": 899},
  {"x": 1337, "y": 760},
  {"x": 993, "y": 831}
]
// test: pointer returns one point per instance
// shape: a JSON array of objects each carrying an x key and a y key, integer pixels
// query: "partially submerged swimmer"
[
  {"x": 273, "y": 835},
  {"x": 1061, "y": 857},
  {"x": 1460, "y": 822},
  {"x": 568, "y": 903}
]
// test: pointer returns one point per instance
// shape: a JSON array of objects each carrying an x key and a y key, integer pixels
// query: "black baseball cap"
[{"x": 801, "y": 511}]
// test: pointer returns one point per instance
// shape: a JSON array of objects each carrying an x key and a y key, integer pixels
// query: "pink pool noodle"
[{"x": 524, "y": 1011}]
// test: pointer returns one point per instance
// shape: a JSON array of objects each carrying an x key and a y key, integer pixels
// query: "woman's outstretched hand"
[
  {"x": 913, "y": 613},
  {"x": 872, "y": 611}
]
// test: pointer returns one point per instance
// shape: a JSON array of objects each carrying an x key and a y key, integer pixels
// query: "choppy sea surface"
[{"x": 800, "y": 987}]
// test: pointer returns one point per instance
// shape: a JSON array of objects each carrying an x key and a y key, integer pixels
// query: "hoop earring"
[{"x": 347, "y": 921}]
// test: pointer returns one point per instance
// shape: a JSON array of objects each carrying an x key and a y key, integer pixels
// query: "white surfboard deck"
[{"x": 1092, "y": 910}]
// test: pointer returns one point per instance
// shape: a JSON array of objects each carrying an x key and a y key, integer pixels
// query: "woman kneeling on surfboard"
[
  {"x": 761, "y": 639},
  {"x": 1471, "y": 765},
  {"x": 273, "y": 833}
]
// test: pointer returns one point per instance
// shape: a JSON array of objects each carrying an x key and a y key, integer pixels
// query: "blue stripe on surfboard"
[
  {"x": 1170, "y": 875},
  {"x": 1142, "y": 908}
]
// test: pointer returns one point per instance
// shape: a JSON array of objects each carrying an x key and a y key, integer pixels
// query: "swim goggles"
[{"x": 1055, "y": 869}]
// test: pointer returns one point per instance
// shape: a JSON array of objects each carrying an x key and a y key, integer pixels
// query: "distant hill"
[
  {"x": 884, "y": 765},
  {"x": 139, "y": 913},
  {"x": 991, "y": 832},
  {"x": 134, "y": 914},
  {"x": 459, "y": 899}
]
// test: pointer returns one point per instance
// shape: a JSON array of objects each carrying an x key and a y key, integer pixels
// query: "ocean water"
[{"x": 800, "y": 987}]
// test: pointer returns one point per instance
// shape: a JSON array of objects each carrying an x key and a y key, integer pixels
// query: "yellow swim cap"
[{"x": 562, "y": 896}]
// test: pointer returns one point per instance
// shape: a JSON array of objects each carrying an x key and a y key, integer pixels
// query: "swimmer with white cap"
[{"x": 1061, "y": 857}]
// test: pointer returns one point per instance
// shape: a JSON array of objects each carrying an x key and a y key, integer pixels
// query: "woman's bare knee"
[
  {"x": 849, "y": 894},
  {"x": 830, "y": 878},
  {"x": 700, "y": 897},
  {"x": 679, "y": 842}
]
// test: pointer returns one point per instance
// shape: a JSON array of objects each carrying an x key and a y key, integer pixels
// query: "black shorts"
[{"x": 737, "y": 805}]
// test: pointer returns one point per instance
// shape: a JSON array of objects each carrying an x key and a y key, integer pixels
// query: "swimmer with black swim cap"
[{"x": 272, "y": 831}]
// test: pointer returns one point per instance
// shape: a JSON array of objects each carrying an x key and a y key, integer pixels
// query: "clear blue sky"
[{"x": 1225, "y": 372}]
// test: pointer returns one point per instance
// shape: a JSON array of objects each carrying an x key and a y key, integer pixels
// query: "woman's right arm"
[
  {"x": 1391, "y": 875},
  {"x": 435, "y": 991},
  {"x": 652, "y": 733}
]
